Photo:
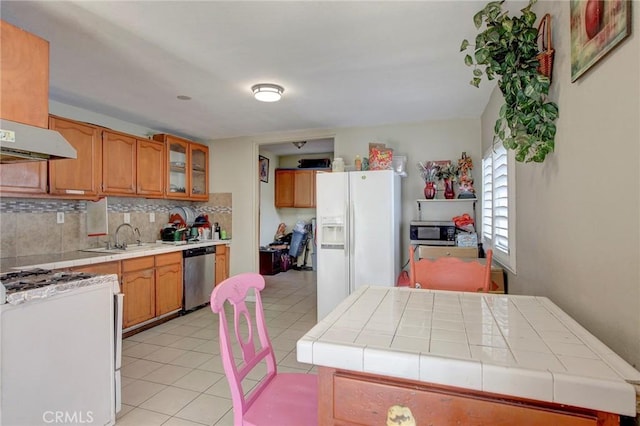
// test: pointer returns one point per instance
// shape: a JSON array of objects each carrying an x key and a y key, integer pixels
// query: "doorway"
[{"x": 290, "y": 158}]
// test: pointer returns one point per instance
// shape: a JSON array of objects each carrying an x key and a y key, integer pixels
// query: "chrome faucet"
[{"x": 123, "y": 245}]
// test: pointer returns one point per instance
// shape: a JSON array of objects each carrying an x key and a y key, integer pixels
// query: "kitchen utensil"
[
  {"x": 178, "y": 214},
  {"x": 190, "y": 215}
]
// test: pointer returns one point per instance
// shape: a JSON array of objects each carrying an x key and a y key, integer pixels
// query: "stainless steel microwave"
[{"x": 433, "y": 233}]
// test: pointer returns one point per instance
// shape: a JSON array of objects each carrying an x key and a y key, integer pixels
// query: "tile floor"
[{"x": 172, "y": 374}]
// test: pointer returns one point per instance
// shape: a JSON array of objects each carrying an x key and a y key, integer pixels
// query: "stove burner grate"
[{"x": 37, "y": 278}]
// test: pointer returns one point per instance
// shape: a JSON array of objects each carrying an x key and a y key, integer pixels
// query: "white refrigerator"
[{"x": 358, "y": 233}]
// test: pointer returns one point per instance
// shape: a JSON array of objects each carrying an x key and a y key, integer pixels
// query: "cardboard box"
[{"x": 467, "y": 239}]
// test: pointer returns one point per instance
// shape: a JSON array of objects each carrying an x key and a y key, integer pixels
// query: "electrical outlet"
[
  {"x": 152, "y": 217},
  {"x": 60, "y": 217},
  {"x": 127, "y": 218}
]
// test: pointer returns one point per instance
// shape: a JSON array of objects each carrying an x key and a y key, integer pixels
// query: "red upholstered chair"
[
  {"x": 450, "y": 273},
  {"x": 279, "y": 398}
]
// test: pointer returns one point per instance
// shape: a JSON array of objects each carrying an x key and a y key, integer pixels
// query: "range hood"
[{"x": 20, "y": 142}]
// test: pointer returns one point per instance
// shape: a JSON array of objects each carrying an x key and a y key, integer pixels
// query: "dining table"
[{"x": 404, "y": 356}]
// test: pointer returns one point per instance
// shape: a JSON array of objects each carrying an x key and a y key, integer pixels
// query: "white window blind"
[
  {"x": 497, "y": 205},
  {"x": 487, "y": 198}
]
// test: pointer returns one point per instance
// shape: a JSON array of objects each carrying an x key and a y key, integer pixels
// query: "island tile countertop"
[
  {"x": 521, "y": 346},
  {"x": 81, "y": 258}
]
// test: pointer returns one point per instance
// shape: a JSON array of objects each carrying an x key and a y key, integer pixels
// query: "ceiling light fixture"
[
  {"x": 299, "y": 144},
  {"x": 267, "y": 92}
]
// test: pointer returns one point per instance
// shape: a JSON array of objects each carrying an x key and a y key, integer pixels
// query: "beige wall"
[
  {"x": 428, "y": 140},
  {"x": 234, "y": 169},
  {"x": 578, "y": 213}
]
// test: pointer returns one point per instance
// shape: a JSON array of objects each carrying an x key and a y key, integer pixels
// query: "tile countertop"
[
  {"x": 80, "y": 258},
  {"x": 522, "y": 346}
]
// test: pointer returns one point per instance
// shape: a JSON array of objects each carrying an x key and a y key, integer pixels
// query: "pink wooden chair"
[
  {"x": 279, "y": 398},
  {"x": 450, "y": 273}
]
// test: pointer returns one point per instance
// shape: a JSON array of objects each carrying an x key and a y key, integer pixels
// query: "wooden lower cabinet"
[
  {"x": 138, "y": 286},
  {"x": 168, "y": 283},
  {"x": 349, "y": 398},
  {"x": 152, "y": 285},
  {"x": 223, "y": 253},
  {"x": 100, "y": 268}
]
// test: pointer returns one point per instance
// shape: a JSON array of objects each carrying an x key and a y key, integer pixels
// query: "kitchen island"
[{"x": 463, "y": 358}]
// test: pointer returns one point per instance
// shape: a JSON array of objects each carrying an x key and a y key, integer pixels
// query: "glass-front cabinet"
[
  {"x": 177, "y": 182},
  {"x": 199, "y": 155},
  {"x": 187, "y": 168}
]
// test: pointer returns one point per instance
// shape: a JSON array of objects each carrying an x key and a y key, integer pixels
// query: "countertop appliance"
[
  {"x": 358, "y": 233},
  {"x": 61, "y": 348},
  {"x": 433, "y": 233},
  {"x": 199, "y": 276}
]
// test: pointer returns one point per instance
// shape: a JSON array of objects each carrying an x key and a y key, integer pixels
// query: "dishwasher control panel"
[{"x": 198, "y": 251}]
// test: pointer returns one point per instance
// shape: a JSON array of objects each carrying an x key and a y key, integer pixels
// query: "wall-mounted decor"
[
  {"x": 597, "y": 26},
  {"x": 506, "y": 48},
  {"x": 263, "y": 168}
]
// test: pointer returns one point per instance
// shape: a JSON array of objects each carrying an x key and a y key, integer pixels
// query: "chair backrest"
[
  {"x": 437, "y": 251},
  {"x": 450, "y": 273},
  {"x": 234, "y": 290}
]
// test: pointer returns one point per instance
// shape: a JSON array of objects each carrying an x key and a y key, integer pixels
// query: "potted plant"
[
  {"x": 447, "y": 173},
  {"x": 429, "y": 173},
  {"x": 508, "y": 48}
]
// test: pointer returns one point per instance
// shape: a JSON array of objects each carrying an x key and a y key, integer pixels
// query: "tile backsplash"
[{"x": 29, "y": 226}]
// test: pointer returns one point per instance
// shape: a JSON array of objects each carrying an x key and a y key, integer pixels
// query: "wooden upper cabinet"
[
  {"x": 132, "y": 166},
  {"x": 199, "y": 171},
  {"x": 118, "y": 163},
  {"x": 304, "y": 188},
  {"x": 295, "y": 188},
  {"x": 187, "y": 168},
  {"x": 177, "y": 158},
  {"x": 284, "y": 191},
  {"x": 80, "y": 177},
  {"x": 150, "y": 168},
  {"x": 23, "y": 179},
  {"x": 24, "y": 97},
  {"x": 24, "y": 76}
]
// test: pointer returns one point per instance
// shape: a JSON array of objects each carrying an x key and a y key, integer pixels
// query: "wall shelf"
[
  {"x": 445, "y": 200},
  {"x": 453, "y": 201}
]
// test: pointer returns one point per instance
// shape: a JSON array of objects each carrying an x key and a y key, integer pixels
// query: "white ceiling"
[{"x": 342, "y": 63}]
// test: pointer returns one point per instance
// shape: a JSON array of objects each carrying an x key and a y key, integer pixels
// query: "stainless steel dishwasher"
[{"x": 199, "y": 276}]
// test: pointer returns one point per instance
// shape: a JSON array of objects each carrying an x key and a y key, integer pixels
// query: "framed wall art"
[
  {"x": 263, "y": 168},
  {"x": 597, "y": 27}
]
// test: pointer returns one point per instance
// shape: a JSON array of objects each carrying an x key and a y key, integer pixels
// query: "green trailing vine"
[{"x": 508, "y": 48}]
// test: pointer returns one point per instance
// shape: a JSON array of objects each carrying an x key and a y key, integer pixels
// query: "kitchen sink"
[{"x": 129, "y": 249}]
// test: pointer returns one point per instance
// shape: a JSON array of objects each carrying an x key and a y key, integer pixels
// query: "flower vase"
[
  {"x": 448, "y": 189},
  {"x": 430, "y": 190}
]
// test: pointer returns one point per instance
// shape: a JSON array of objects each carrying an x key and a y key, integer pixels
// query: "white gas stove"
[
  {"x": 60, "y": 347},
  {"x": 21, "y": 286}
]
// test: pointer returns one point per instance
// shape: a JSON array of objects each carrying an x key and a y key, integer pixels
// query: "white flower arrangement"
[{"x": 428, "y": 171}]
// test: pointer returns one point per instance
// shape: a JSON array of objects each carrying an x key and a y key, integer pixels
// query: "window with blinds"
[{"x": 497, "y": 205}]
